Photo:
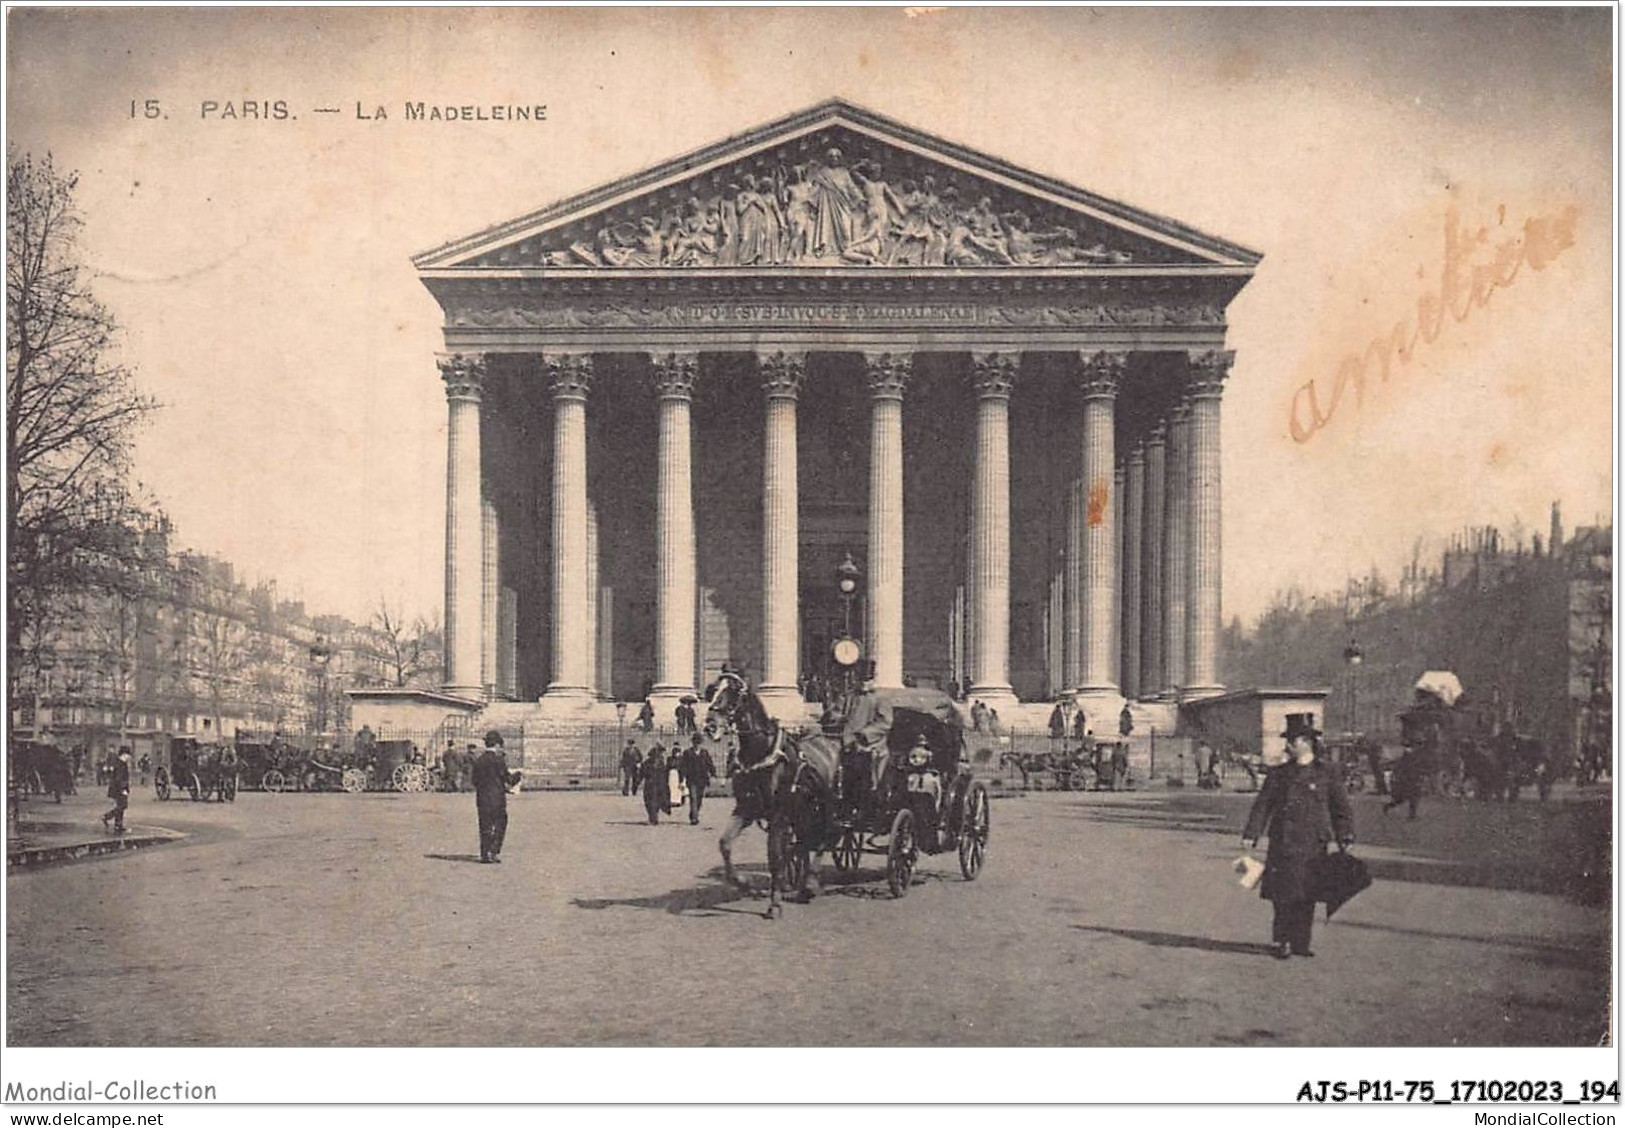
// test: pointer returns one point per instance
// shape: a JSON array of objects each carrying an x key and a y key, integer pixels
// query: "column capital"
[
  {"x": 1156, "y": 435},
  {"x": 782, "y": 373},
  {"x": 888, "y": 373},
  {"x": 569, "y": 375},
  {"x": 1209, "y": 369},
  {"x": 1136, "y": 453},
  {"x": 1102, "y": 372},
  {"x": 674, "y": 374},
  {"x": 1180, "y": 413},
  {"x": 464, "y": 375},
  {"x": 993, "y": 374}
]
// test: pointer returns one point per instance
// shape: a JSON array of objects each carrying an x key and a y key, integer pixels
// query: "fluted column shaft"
[
  {"x": 1119, "y": 479},
  {"x": 888, "y": 375},
  {"x": 1151, "y": 565},
  {"x": 490, "y": 594},
  {"x": 1133, "y": 528},
  {"x": 570, "y": 376},
  {"x": 674, "y": 525},
  {"x": 782, "y": 374},
  {"x": 463, "y": 374},
  {"x": 1073, "y": 645},
  {"x": 993, "y": 375},
  {"x": 1102, "y": 373},
  {"x": 591, "y": 597},
  {"x": 1208, "y": 373},
  {"x": 1175, "y": 525},
  {"x": 508, "y": 647}
]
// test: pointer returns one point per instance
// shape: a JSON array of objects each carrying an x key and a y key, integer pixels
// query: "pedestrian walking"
[
  {"x": 646, "y": 717},
  {"x": 1206, "y": 778},
  {"x": 145, "y": 766},
  {"x": 1057, "y": 727},
  {"x": 630, "y": 759},
  {"x": 1080, "y": 726},
  {"x": 118, "y": 790},
  {"x": 654, "y": 775},
  {"x": 1302, "y": 809},
  {"x": 1125, "y": 722},
  {"x": 1405, "y": 785},
  {"x": 1119, "y": 766},
  {"x": 698, "y": 768},
  {"x": 491, "y": 782}
]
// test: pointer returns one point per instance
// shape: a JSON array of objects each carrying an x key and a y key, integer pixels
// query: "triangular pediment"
[{"x": 835, "y": 186}]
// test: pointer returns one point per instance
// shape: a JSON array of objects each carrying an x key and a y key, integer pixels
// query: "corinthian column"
[
  {"x": 1073, "y": 644},
  {"x": 591, "y": 597},
  {"x": 674, "y": 531},
  {"x": 490, "y": 593},
  {"x": 1207, "y": 376},
  {"x": 888, "y": 374},
  {"x": 1175, "y": 523},
  {"x": 1119, "y": 480},
  {"x": 1133, "y": 526},
  {"x": 1151, "y": 565},
  {"x": 463, "y": 374},
  {"x": 1102, "y": 372},
  {"x": 781, "y": 600},
  {"x": 570, "y": 376},
  {"x": 993, "y": 375}
]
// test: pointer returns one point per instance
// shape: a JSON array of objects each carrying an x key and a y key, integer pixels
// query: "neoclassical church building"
[{"x": 678, "y": 403}]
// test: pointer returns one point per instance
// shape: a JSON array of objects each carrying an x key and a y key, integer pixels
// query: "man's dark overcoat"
[
  {"x": 1301, "y": 809},
  {"x": 492, "y": 779}
]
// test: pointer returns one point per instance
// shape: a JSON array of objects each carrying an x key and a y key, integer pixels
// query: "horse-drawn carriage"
[
  {"x": 203, "y": 771},
  {"x": 41, "y": 768},
  {"x": 897, "y": 783},
  {"x": 910, "y": 791},
  {"x": 396, "y": 765}
]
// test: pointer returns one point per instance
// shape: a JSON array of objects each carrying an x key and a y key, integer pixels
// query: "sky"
[{"x": 260, "y": 268}]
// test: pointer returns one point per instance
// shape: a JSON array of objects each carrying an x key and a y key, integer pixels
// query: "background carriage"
[
  {"x": 917, "y": 800},
  {"x": 397, "y": 765},
  {"x": 176, "y": 768}
]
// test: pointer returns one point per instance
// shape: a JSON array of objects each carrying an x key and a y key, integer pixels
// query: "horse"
[{"x": 786, "y": 783}]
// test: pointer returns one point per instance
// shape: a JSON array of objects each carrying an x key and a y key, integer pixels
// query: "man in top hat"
[
  {"x": 491, "y": 782},
  {"x": 1303, "y": 809},
  {"x": 118, "y": 790},
  {"x": 655, "y": 784}
]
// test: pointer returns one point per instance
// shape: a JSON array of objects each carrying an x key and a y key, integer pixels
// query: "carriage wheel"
[
  {"x": 274, "y": 781},
  {"x": 973, "y": 832},
  {"x": 848, "y": 849},
  {"x": 195, "y": 788},
  {"x": 901, "y": 855},
  {"x": 410, "y": 777},
  {"x": 160, "y": 783},
  {"x": 353, "y": 780}
]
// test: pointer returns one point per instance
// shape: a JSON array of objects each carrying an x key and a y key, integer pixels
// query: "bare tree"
[
  {"x": 224, "y": 655},
  {"x": 70, "y": 408},
  {"x": 410, "y": 651}
]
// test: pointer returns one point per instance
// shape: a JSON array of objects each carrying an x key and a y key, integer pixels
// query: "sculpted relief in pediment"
[{"x": 830, "y": 200}]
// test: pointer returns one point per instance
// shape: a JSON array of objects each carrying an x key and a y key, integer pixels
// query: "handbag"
[{"x": 1338, "y": 878}]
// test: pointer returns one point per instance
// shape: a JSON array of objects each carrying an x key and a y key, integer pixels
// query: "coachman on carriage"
[{"x": 895, "y": 782}]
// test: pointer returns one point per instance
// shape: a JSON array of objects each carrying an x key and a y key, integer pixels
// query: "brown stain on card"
[{"x": 1099, "y": 498}]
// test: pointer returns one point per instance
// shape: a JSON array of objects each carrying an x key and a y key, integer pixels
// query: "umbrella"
[
  {"x": 1338, "y": 878},
  {"x": 1442, "y": 684},
  {"x": 688, "y": 699}
]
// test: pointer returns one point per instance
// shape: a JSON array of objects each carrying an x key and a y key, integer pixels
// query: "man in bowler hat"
[
  {"x": 491, "y": 782},
  {"x": 1302, "y": 808},
  {"x": 697, "y": 769}
]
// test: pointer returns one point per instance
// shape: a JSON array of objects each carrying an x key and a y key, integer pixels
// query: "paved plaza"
[{"x": 1099, "y": 920}]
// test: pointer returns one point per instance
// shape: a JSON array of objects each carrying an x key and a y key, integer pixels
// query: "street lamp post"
[
  {"x": 1353, "y": 655},
  {"x": 320, "y": 656},
  {"x": 846, "y": 651}
]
